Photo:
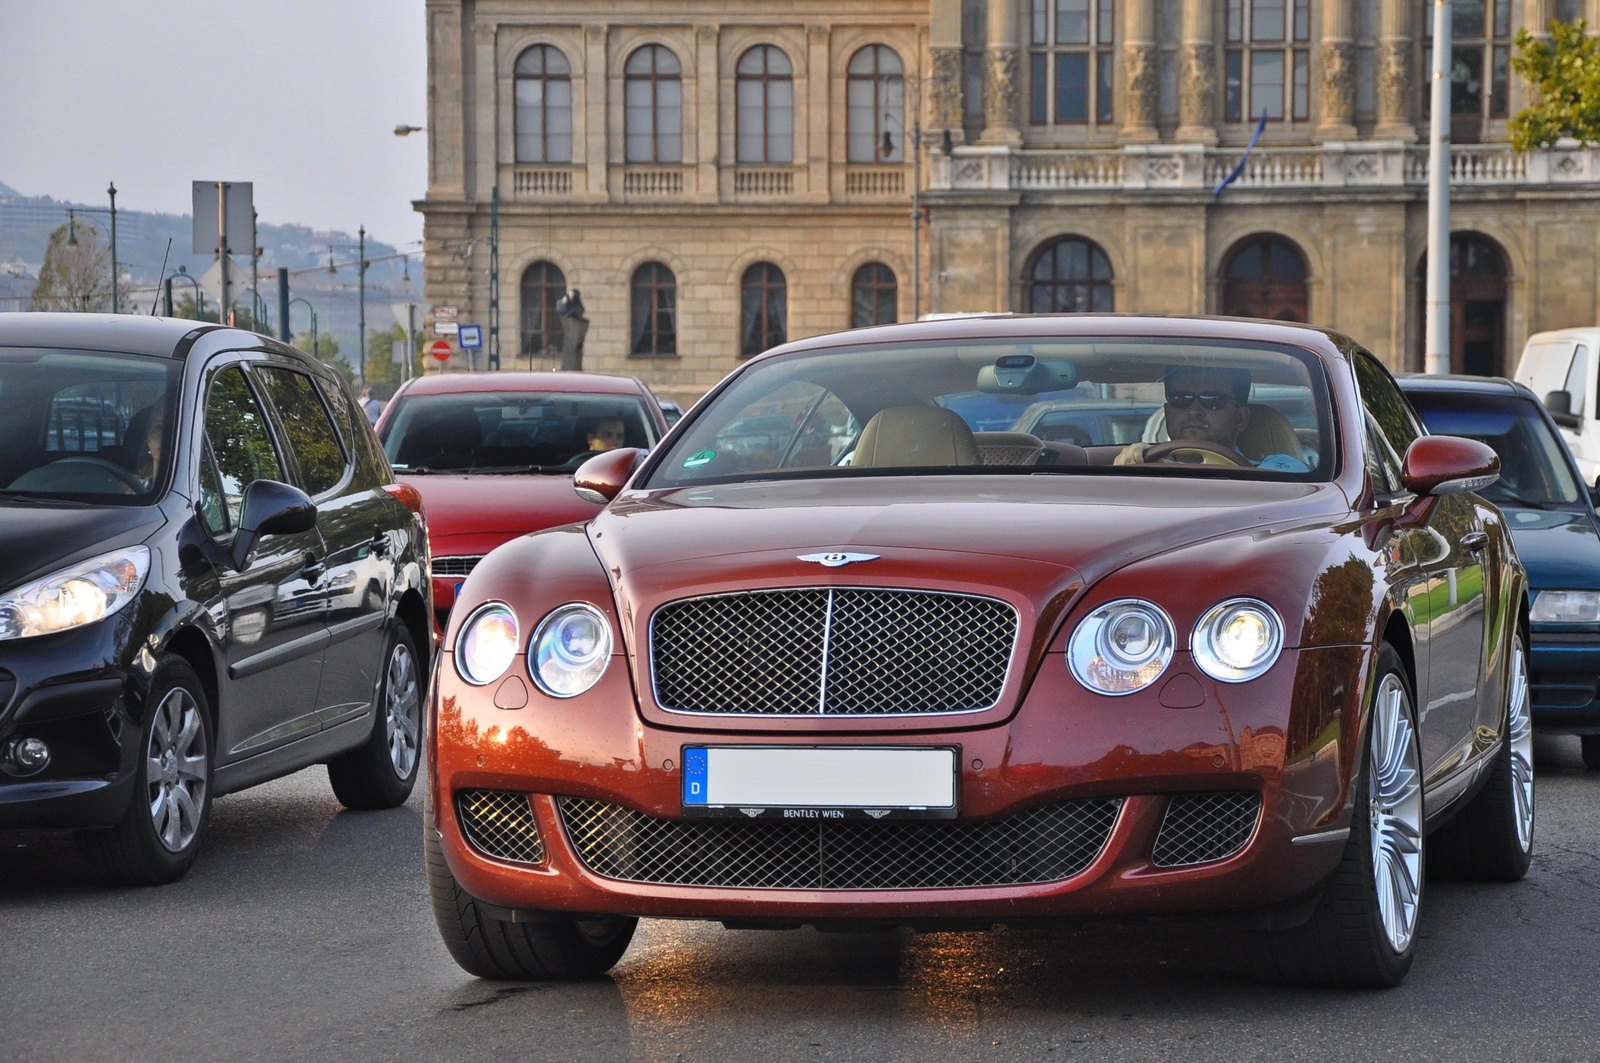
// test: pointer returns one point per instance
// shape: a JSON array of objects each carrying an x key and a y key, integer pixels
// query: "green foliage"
[
  {"x": 184, "y": 306},
  {"x": 76, "y": 276},
  {"x": 383, "y": 374},
  {"x": 327, "y": 351},
  {"x": 1565, "y": 74}
]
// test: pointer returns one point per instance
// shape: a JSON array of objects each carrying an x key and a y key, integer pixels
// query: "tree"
[
  {"x": 76, "y": 275},
  {"x": 383, "y": 373},
  {"x": 185, "y": 307},
  {"x": 1565, "y": 74},
  {"x": 327, "y": 352}
]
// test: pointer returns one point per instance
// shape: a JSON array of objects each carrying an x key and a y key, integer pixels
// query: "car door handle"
[
  {"x": 1475, "y": 541},
  {"x": 312, "y": 570}
]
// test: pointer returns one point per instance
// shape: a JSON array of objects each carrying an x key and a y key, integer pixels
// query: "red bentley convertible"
[{"x": 832, "y": 655}]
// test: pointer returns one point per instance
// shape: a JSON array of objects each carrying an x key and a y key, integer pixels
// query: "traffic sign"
[
  {"x": 470, "y": 337},
  {"x": 440, "y": 349}
]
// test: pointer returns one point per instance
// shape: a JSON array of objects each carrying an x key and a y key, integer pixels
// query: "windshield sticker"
[{"x": 704, "y": 457}]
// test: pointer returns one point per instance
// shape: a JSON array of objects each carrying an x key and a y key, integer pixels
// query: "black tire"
[
  {"x": 132, "y": 853},
  {"x": 375, "y": 774},
  {"x": 1344, "y": 943},
  {"x": 1482, "y": 843},
  {"x": 560, "y": 949},
  {"x": 1591, "y": 752}
]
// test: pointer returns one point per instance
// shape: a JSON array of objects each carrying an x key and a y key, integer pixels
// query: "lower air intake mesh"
[
  {"x": 1044, "y": 844},
  {"x": 1200, "y": 828},
  {"x": 500, "y": 823}
]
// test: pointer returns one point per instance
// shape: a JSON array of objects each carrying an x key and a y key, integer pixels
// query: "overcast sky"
[{"x": 299, "y": 96}]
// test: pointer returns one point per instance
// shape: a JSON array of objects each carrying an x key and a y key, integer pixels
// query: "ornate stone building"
[{"x": 716, "y": 176}]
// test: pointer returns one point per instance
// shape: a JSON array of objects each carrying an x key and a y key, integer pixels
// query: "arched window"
[
  {"x": 1070, "y": 275},
  {"x": 874, "y": 296},
  {"x": 544, "y": 105},
  {"x": 764, "y": 87},
  {"x": 763, "y": 308},
  {"x": 875, "y": 92},
  {"x": 1265, "y": 277},
  {"x": 655, "y": 310},
  {"x": 653, "y": 93},
  {"x": 542, "y": 284}
]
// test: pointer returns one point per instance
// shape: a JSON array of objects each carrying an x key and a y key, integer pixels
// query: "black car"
[
  {"x": 208, "y": 579},
  {"x": 1552, "y": 519}
]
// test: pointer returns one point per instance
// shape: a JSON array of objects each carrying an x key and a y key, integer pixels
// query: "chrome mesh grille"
[
  {"x": 1200, "y": 828},
  {"x": 500, "y": 823},
  {"x": 1044, "y": 844},
  {"x": 844, "y": 651},
  {"x": 455, "y": 566}
]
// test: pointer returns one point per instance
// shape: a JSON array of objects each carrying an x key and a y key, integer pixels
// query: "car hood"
[
  {"x": 459, "y": 505},
  {"x": 1558, "y": 548},
  {"x": 35, "y": 540}
]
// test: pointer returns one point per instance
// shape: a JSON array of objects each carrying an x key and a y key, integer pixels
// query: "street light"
[
  {"x": 72, "y": 237},
  {"x": 199, "y": 296},
  {"x": 914, "y": 85},
  {"x": 361, "y": 260},
  {"x": 407, "y": 130},
  {"x": 316, "y": 350}
]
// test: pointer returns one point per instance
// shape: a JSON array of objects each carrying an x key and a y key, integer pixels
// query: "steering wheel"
[
  {"x": 134, "y": 485},
  {"x": 1208, "y": 452}
]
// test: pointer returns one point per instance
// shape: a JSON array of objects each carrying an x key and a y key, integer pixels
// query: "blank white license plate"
[{"x": 767, "y": 782}]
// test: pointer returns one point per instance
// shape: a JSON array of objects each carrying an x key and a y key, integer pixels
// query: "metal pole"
[
  {"x": 916, "y": 220},
  {"x": 257, "y": 305},
  {"x": 225, "y": 309},
  {"x": 168, "y": 306},
  {"x": 411, "y": 341},
  {"x": 494, "y": 278},
  {"x": 363, "y": 303},
  {"x": 283, "y": 303},
  {"x": 111, "y": 190},
  {"x": 1437, "y": 346}
]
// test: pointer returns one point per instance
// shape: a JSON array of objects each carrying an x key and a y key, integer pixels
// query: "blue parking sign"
[{"x": 470, "y": 337}]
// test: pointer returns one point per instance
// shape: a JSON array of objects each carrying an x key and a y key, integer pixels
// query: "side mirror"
[
  {"x": 1448, "y": 465},
  {"x": 602, "y": 477},
  {"x": 1559, "y": 403},
  {"x": 269, "y": 508}
]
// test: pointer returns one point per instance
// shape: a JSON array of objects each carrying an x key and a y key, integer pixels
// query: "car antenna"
[{"x": 162, "y": 276}]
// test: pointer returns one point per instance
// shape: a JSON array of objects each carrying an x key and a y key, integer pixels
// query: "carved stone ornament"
[
  {"x": 819, "y": 31},
  {"x": 1197, "y": 85},
  {"x": 708, "y": 33},
  {"x": 1338, "y": 81},
  {"x": 1394, "y": 80},
  {"x": 1000, "y": 94},
  {"x": 945, "y": 92},
  {"x": 1139, "y": 65}
]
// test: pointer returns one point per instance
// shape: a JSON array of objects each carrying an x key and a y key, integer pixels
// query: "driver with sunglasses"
[{"x": 1206, "y": 409}]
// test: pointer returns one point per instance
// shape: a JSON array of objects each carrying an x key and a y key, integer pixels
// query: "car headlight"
[
  {"x": 1237, "y": 640},
  {"x": 487, "y": 643},
  {"x": 570, "y": 650},
  {"x": 1565, "y": 607},
  {"x": 74, "y": 596},
  {"x": 1121, "y": 647}
]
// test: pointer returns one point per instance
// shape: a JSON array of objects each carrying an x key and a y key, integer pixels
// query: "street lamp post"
[
  {"x": 199, "y": 296},
  {"x": 316, "y": 350},
  {"x": 1436, "y": 353},
  {"x": 72, "y": 237},
  {"x": 914, "y": 103},
  {"x": 361, "y": 259}
]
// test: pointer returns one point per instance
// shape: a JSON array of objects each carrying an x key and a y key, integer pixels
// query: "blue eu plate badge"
[{"x": 694, "y": 776}]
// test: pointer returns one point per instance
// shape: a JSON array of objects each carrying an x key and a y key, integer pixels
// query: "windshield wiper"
[
  {"x": 505, "y": 470},
  {"x": 1506, "y": 498},
  {"x": 36, "y": 500}
]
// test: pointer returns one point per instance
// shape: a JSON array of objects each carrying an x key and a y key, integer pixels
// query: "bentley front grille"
[
  {"x": 500, "y": 823},
  {"x": 1044, "y": 844},
  {"x": 455, "y": 566},
  {"x": 1203, "y": 827},
  {"x": 831, "y": 651}
]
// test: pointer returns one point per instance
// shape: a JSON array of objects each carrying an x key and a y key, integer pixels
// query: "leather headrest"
[{"x": 915, "y": 436}]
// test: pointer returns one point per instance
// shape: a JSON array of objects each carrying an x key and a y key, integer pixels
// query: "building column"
[
  {"x": 707, "y": 88},
  {"x": 1396, "y": 91},
  {"x": 1139, "y": 65},
  {"x": 597, "y": 145},
  {"x": 1338, "y": 72},
  {"x": 1197, "y": 74},
  {"x": 445, "y": 134},
  {"x": 486, "y": 171},
  {"x": 944, "y": 52},
  {"x": 1001, "y": 76},
  {"x": 1537, "y": 16},
  {"x": 819, "y": 83}
]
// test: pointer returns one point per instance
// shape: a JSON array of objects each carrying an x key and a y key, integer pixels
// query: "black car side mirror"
[
  {"x": 1559, "y": 403},
  {"x": 269, "y": 508}
]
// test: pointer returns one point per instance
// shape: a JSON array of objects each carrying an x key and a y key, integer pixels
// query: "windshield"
[
  {"x": 1533, "y": 470},
  {"x": 517, "y": 431},
  {"x": 1083, "y": 405},
  {"x": 85, "y": 426}
]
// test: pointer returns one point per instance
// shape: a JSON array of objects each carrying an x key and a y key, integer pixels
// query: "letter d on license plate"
[{"x": 826, "y": 782}]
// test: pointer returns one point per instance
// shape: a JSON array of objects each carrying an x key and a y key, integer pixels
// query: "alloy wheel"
[
  {"x": 175, "y": 770},
  {"x": 402, "y": 707},
  {"x": 1519, "y": 728},
  {"x": 1394, "y": 805}
]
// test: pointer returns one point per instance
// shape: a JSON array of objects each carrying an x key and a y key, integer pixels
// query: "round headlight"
[
  {"x": 1121, "y": 647},
  {"x": 1237, "y": 640},
  {"x": 487, "y": 644},
  {"x": 570, "y": 650}
]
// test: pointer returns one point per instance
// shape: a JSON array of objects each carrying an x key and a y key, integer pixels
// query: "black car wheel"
[
  {"x": 158, "y": 837},
  {"x": 381, "y": 772},
  {"x": 554, "y": 947},
  {"x": 1591, "y": 752}
]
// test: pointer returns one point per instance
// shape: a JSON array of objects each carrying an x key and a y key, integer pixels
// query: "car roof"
[
  {"x": 127, "y": 333},
  {"x": 1577, "y": 333},
  {"x": 1461, "y": 385},
  {"x": 579, "y": 383}
]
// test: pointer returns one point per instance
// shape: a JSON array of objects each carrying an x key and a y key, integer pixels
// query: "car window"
[
  {"x": 1577, "y": 383},
  {"x": 305, "y": 421},
  {"x": 213, "y": 507},
  {"x": 1388, "y": 407},
  {"x": 339, "y": 403},
  {"x": 1533, "y": 469},
  {"x": 799, "y": 425},
  {"x": 511, "y": 431},
  {"x": 237, "y": 430}
]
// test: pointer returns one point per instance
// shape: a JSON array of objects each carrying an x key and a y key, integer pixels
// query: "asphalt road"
[{"x": 304, "y": 934}]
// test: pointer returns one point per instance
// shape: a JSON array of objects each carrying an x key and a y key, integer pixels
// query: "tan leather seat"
[
  {"x": 1269, "y": 432},
  {"x": 915, "y": 436}
]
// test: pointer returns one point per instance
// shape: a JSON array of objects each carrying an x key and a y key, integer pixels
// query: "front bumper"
[
  {"x": 1284, "y": 736},
  {"x": 1565, "y": 680}
]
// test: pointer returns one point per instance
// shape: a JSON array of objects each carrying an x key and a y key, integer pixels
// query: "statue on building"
[{"x": 574, "y": 326}]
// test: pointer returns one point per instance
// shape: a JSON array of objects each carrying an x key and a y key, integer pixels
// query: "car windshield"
[
  {"x": 85, "y": 426},
  {"x": 1533, "y": 470},
  {"x": 1081, "y": 405},
  {"x": 511, "y": 431}
]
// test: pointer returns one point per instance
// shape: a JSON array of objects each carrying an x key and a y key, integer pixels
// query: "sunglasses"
[{"x": 1211, "y": 400}]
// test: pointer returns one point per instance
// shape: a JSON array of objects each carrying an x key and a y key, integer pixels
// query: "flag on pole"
[{"x": 1233, "y": 175}]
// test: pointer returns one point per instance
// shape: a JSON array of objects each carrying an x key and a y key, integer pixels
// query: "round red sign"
[{"x": 440, "y": 349}]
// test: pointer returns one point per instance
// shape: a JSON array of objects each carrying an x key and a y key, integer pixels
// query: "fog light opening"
[{"x": 27, "y": 756}]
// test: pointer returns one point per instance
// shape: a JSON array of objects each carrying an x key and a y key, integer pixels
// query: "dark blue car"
[{"x": 1551, "y": 514}]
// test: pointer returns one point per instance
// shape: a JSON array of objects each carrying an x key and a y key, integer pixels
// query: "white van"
[{"x": 1559, "y": 367}]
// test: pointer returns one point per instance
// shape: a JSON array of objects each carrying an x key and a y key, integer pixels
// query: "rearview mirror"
[
  {"x": 1559, "y": 403},
  {"x": 269, "y": 508},
  {"x": 1448, "y": 465},
  {"x": 602, "y": 477}
]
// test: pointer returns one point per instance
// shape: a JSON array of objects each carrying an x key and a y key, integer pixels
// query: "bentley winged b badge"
[{"x": 836, "y": 558}]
